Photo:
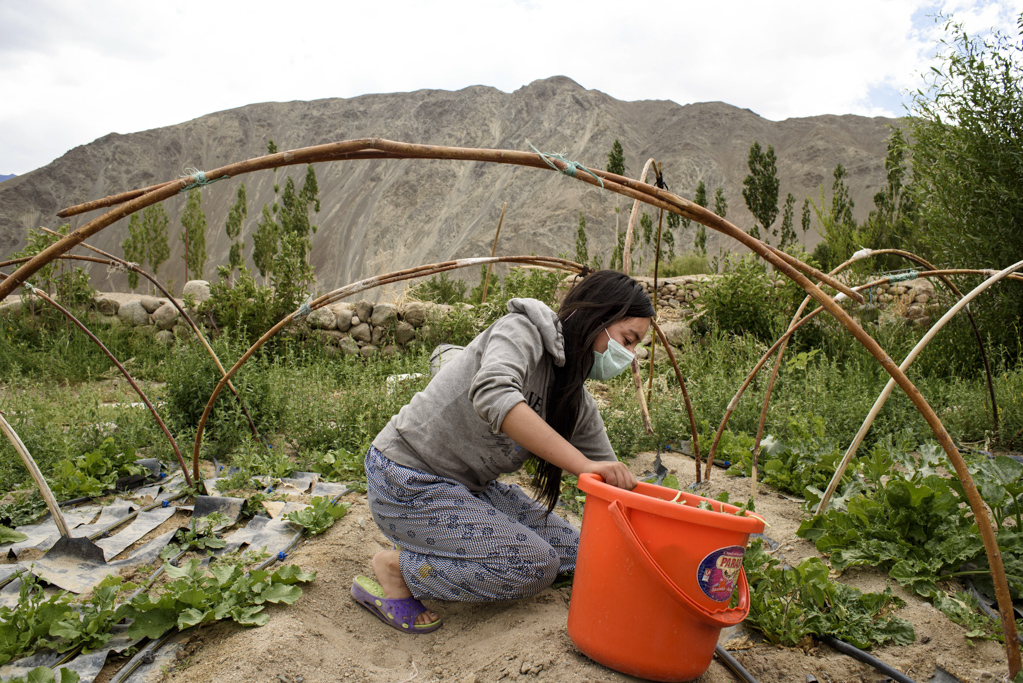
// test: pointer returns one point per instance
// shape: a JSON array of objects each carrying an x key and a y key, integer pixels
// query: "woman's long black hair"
[{"x": 603, "y": 297}]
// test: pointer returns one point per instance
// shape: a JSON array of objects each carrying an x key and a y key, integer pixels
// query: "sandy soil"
[{"x": 325, "y": 636}]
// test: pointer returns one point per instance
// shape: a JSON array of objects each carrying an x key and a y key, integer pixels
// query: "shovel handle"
[{"x": 37, "y": 476}]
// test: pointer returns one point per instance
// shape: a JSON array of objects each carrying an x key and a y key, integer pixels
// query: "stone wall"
[{"x": 366, "y": 329}]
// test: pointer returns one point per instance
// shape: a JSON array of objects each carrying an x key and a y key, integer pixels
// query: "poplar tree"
[
  {"x": 582, "y": 254},
  {"x": 134, "y": 247},
  {"x": 760, "y": 189},
  {"x": 788, "y": 233},
  {"x": 233, "y": 228},
  {"x": 194, "y": 236}
]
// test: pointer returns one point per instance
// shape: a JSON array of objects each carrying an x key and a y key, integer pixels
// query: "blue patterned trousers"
[{"x": 455, "y": 545}]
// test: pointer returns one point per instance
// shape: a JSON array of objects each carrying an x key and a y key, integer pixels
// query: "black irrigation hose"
[
  {"x": 733, "y": 664},
  {"x": 856, "y": 653},
  {"x": 987, "y": 610}
]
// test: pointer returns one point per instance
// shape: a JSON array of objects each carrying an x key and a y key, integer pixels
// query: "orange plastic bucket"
[{"x": 653, "y": 579}]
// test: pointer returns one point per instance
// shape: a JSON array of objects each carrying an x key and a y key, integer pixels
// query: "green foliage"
[
  {"x": 194, "y": 235},
  {"x": 282, "y": 242},
  {"x": 93, "y": 474},
  {"x": 582, "y": 255},
  {"x": 616, "y": 159},
  {"x": 760, "y": 188},
  {"x": 319, "y": 516},
  {"x": 689, "y": 263},
  {"x": 8, "y": 535},
  {"x": 804, "y": 462},
  {"x": 804, "y": 220},
  {"x": 745, "y": 299},
  {"x": 43, "y": 674},
  {"x": 134, "y": 247},
  {"x": 790, "y": 604},
  {"x": 912, "y": 522},
  {"x": 788, "y": 233},
  {"x": 647, "y": 226},
  {"x": 336, "y": 465},
  {"x": 835, "y": 224},
  {"x": 440, "y": 289},
  {"x": 195, "y": 596},
  {"x": 966, "y": 128},
  {"x": 68, "y": 285},
  {"x": 241, "y": 305},
  {"x": 233, "y": 227},
  {"x": 26, "y": 508},
  {"x": 199, "y": 535}
]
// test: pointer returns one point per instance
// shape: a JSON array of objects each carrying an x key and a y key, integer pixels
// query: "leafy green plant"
[
  {"x": 8, "y": 535},
  {"x": 95, "y": 473},
  {"x": 319, "y": 516},
  {"x": 199, "y": 535},
  {"x": 43, "y": 674},
  {"x": 789, "y": 605},
  {"x": 24, "y": 509},
  {"x": 337, "y": 464},
  {"x": 196, "y": 596}
]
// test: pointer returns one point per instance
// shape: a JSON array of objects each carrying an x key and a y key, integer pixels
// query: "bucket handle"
[{"x": 722, "y": 619}]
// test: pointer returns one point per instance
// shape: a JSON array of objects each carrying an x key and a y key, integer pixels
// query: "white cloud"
[{"x": 72, "y": 71}]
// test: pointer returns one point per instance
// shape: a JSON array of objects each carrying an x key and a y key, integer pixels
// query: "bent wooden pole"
[
  {"x": 138, "y": 390},
  {"x": 37, "y": 477},
  {"x": 375, "y": 148},
  {"x": 355, "y": 288},
  {"x": 685, "y": 396},
  {"x": 627, "y": 249},
  {"x": 883, "y": 397},
  {"x": 181, "y": 311}
]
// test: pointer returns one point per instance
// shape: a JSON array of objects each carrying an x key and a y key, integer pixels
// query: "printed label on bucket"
[{"x": 719, "y": 571}]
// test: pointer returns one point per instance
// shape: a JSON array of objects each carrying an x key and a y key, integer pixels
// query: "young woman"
[{"x": 514, "y": 393}]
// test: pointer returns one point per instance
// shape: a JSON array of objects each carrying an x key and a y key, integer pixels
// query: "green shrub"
[{"x": 689, "y": 263}]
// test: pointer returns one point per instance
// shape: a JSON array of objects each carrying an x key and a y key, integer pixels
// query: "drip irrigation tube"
[
  {"x": 856, "y": 653},
  {"x": 987, "y": 610},
  {"x": 733, "y": 664}
]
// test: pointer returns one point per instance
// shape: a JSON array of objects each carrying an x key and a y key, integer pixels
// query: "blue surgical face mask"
[{"x": 611, "y": 362}]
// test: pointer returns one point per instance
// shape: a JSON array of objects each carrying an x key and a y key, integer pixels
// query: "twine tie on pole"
[
  {"x": 902, "y": 276},
  {"x": 303, "y": 310},
  {"x": 570, "y": 166},
  {"x": 198, "y": 179}
]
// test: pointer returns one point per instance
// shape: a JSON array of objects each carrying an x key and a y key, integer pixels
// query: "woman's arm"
[{"x": 530, "y": 431}]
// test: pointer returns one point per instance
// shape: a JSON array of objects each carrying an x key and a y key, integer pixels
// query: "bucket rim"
[{"x": 656, "y": 500}]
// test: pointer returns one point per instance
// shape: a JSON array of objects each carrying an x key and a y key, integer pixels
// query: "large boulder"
[
  {"x": 383, "y": 315},
  {"x": 133, "y": 313},
  {"x": 323, "y": 319},
  {"x": 404, "y": 333},
  {"x": 105, "y": 305},
  {"x": 348, "y": 346},
  {"x": 151, "y": 303},
  {"x": 414, "y": 313},
  {"x": 343, "y": 313},
  {"x": 361, "y": 332},
  {"x": 198, "y": 289},
  {"x": 364, "y": 309},
  {"x": 166, "y": 316}
]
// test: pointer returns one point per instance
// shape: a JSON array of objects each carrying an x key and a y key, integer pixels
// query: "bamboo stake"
[
  {"x": 138, "y": 390},
  {"x": 493, "y": 252},
  {"x": 887, "y": 391},
  {"x": 627, "y": 251},
  {"x": 37, "y": 477}
]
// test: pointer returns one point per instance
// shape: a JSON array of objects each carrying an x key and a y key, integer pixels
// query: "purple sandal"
[{"x": 397, "y": 613}]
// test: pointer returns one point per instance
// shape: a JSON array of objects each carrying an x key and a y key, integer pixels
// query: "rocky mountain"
[{"x": 384, "y": 215}]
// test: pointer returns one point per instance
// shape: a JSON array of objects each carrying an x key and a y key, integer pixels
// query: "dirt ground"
[{"x": 326, "y": 636}]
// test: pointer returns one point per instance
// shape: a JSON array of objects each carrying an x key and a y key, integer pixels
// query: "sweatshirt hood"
[{"x": 546, "y": 322}]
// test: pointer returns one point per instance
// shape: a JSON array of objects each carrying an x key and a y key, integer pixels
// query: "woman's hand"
[{"x": 613, "y": 473}]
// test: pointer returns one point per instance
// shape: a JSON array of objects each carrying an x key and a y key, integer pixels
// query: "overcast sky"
[{"x": 72, "y": 71}]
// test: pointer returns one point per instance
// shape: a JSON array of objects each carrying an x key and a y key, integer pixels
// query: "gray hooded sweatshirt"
[{"x": 452, "y": 428}]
